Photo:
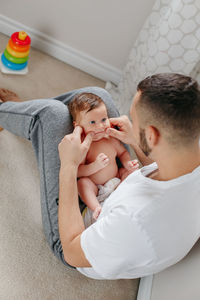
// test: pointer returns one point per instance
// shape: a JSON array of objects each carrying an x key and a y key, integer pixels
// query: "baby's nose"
[{"x": 101, "y": 125}]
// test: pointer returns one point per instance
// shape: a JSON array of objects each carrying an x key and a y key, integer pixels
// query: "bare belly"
[
  {"x": 103, "y": 146},
  {"x": 105, "y": 174}
]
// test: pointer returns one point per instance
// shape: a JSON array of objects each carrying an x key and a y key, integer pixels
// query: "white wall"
[{"x": 104, "y": 29}]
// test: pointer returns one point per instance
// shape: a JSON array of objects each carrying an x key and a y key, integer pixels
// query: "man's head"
[
  {"x": 167, "y": 105},
  {"x": 89, "y": 111}
]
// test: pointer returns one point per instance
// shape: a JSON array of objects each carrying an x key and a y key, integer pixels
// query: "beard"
[{"x": 143, "y": 143}]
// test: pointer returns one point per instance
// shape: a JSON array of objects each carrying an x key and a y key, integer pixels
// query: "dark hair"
[
  {"x": 83, "y": 101},
  {"x": 172, "y": 101}
]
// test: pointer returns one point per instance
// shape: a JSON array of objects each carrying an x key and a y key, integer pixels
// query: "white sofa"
[{"x": 178, "y": 282}]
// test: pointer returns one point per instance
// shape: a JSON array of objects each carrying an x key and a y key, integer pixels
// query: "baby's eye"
[
  {"x": 92, "y": 122},
  {"x": 104, "y": 119}
]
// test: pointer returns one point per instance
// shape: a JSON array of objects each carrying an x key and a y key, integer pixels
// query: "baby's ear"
[{"x": 75, "y": 123}]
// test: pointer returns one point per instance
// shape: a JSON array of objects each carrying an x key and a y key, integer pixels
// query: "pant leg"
[
  {"x": 102, "y": 93},
  {"x": 45, "y": 122}
]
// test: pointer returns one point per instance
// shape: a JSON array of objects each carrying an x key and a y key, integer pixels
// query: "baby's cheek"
[{"x": 87, "y": 129}]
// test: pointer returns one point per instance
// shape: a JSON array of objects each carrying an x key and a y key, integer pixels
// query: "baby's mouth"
[{"x": 101, "y": 134}]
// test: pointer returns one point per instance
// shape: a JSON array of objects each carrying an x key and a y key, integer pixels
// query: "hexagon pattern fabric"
[{"x": 168, "y": 42}]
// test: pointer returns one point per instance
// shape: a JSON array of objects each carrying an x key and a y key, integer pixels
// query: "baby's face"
[{"x": 95, "y": 120}]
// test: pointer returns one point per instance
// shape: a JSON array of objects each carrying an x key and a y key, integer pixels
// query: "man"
[{"x": 151, "y": 220}]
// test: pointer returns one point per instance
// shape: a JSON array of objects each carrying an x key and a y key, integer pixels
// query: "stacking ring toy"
[
  {"x": 18, "y": 48},
  {"x": 15, "y": 53},
  {"x": 11, "y": 65},
  {"x": 13, "y": 59},
  {"x": 16, "y": 40}
]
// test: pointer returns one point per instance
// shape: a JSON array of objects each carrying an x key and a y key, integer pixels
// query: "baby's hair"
[{"x": 83, "y": 101}]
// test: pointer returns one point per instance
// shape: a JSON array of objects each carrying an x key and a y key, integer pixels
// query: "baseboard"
[
  {"x": 63, "y": 52},
  {"x": 145, "y": 288}
]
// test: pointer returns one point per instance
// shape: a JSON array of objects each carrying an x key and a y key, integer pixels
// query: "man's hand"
[
  {"x": 71, "y": 150},
  {"x": 125, "y": 132},
  {"x": 125, "y": 135}
]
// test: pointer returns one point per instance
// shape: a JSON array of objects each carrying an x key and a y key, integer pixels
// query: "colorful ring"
[
  {"x": 18, "y": 48},
  {"x": 15, "y": 53},
  {"x": 11, "y": 65},
  {"x": 19, "y": 42},
  {"x": 15, "y": 60}
]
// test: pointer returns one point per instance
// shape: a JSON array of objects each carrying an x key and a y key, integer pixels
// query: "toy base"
[{"x": 6, "y": 70}]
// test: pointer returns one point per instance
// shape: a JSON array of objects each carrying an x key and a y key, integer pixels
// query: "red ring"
[
  {"x": 17, "y": 47},
  {"x": 17, "y": 41}
]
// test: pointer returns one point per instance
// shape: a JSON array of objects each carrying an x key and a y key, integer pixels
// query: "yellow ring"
[{"x": 15, "y": 53}]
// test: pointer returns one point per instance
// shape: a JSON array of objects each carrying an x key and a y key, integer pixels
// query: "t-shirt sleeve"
[{"x": 115, "y": 245}]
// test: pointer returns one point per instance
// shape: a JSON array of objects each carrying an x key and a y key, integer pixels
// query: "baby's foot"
[
  {"x": 7, "y": 95},
  {"x": 96, "y": 212}
]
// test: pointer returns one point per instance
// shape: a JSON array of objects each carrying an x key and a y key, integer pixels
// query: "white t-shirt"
[{"x": 144, "y": 227}]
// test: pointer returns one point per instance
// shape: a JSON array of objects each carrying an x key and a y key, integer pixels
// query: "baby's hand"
[
  {"x": 102, "y": 161},
  {"x": 96, "y": 212},
  {"x": 131, "y": 165}
]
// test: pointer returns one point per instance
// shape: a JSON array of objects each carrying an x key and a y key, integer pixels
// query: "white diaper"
[
  {"x": 106, "y": 189},
  {"x": 103, "y": 193}
]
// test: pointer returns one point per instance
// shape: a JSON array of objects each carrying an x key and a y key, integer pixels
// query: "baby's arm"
[
  {"x": 124, "y": 156},
  {"x": 101, "y": 162}
]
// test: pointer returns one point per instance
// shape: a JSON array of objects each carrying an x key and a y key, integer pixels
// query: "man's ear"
[
  {"x": 152, "y": 136},
  {"x": 75, "y": 123}
]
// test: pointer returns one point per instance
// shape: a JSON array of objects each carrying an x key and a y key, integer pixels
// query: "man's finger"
[
  {"x": 116, "y": 121},
  {"x": 77, "y": 131},
  {"x": 88, "y": 140},
  {"x": 114, "y": 133}
]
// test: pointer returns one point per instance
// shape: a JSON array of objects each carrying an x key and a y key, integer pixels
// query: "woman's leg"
[{"x": 45, "y": 123}]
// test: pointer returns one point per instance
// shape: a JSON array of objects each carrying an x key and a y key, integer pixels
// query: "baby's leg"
[{"x": 88, "y": 192}]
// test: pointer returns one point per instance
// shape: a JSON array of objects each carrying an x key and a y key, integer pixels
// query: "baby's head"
[{"x": 89, "y": 111}]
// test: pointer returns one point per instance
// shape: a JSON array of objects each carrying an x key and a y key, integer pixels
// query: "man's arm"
[
  {"x": 125, "y": 134},
  {"x": 145, "y": 160},
  {"x": 69, "y": 218},
  {"x": 70, "y": 221}
]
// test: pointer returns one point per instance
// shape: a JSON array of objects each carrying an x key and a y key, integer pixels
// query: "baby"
[{"x": 89, "y": 111}]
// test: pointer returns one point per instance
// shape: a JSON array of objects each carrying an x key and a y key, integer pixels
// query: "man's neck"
[{"x": 173, "y": 165}]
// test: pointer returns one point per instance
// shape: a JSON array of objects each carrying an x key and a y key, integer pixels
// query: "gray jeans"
[{"x": 45, "y": 122}]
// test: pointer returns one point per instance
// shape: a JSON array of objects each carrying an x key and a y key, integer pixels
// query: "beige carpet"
[{"x": 28, "y": 269}]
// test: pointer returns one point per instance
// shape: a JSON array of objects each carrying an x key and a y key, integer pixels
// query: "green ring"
[{"x": 16, "y": 60}]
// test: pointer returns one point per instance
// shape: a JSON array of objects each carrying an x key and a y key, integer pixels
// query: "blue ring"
[{"x": 12, "y": 65}]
